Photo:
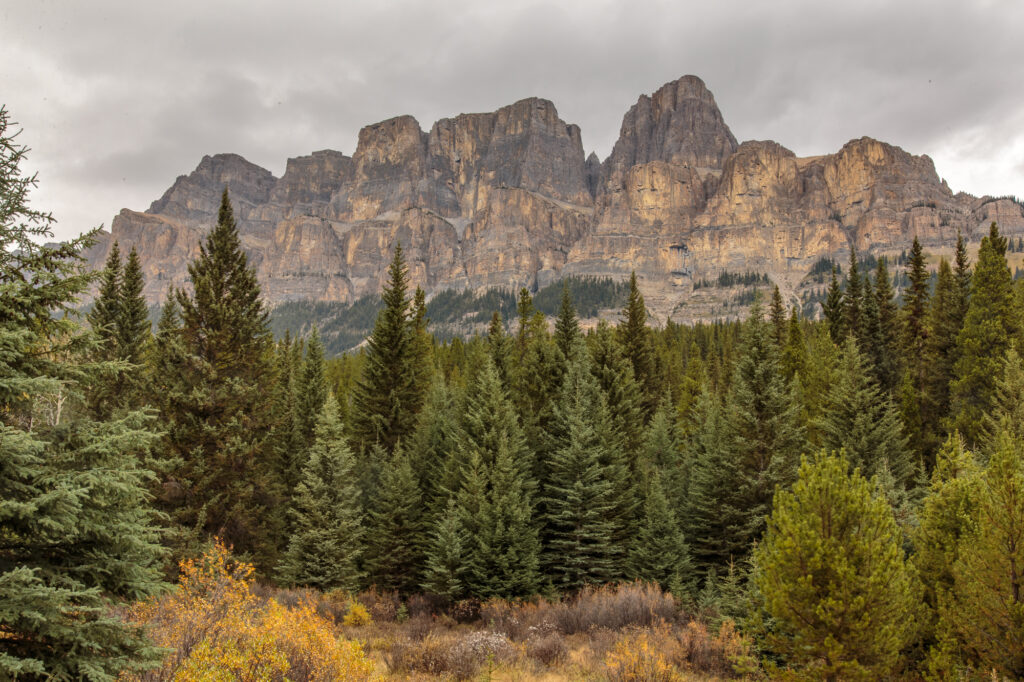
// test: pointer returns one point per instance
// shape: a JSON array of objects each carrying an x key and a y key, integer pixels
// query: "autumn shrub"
[
  {"x": 504, "y": 617},
  {"x": 382, "y": 604},
  {"x": 548, "y": 648},
  {"x": 465, "y": 610},
  {"x": 614, "y": 607},
  {"x": 449, "y": 654},
  {"x": 357, "y": 616},
  {"x": 636, "y": 658},
  {"x": 214, "y": 627}
]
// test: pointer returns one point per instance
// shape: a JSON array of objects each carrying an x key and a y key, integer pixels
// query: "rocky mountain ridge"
[{"x": 509, "y": 199}]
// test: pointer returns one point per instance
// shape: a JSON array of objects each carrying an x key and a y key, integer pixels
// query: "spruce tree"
[
  {"x": 614, "y": 374},
  {"x": 388, "y": 397},
  {"x": 636, "y": 342},
  {"x": 777, "y": 316},
  {"x": 940, "y": 349},
  {"x": 582, "y": 492},
  {"x": 962, "y": 272},
  {"x": 106, "y": 309},
  {"x": 833, "y": 309},
  {"x": 567, "y": 324},
  {"x": 435, "y": 438},
  {"x": 915, "y": 307},
  {"x": 659, "y": 553},
  {"x": 312, "y": 393},
  {"x": 662, "y": 451},
  {"x": 833, "y": 576},
  {"x": 323, "y": 549},
  {"x": 861, "y": 421},
  {"x": 499, "y": 345},
  {"x": 133, "y": 329},
  {"x": 445, "y": 563},
  {"x": 79, "y": 534},
  {"x": 763, "y": 433},
  {"x": 794, "y": 352},
  {"x": 853, "y": 299},
  {"x": 887, "y": 358},
  {"x": 394, "y": 528},
  {"x": 990, "y": 325},
  {"x": 218, "y": 415}
]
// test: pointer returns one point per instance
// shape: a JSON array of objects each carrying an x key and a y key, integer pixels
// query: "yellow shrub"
[
  {"x": 634, "y": 659},
  {"x": 218, "y": 630},
  {"x": 357, "y": 615}
]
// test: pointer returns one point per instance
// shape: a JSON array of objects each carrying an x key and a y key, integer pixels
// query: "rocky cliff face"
[{"x": 508, "y": 199}]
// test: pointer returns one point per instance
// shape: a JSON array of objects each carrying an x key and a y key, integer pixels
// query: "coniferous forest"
[{"x": 782, "y": 497}]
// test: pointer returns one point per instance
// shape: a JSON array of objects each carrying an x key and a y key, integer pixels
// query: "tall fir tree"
[
  {"x": 312, "y": 391},
  {"x": 777, "y": 316},
  {"x": 659, "y": 552},
  {"x": 106, "y": 309},
  {"x": 614, "y": 374},
  {"x": 833, "y": 575},
  {"x": 499, "y": 345},
  {"x": 393, "y": 554},
  {"x": 940, "y": 349},
  {"x": 445, "y": 561},
  {"x": 864, "y": 423},
  {"x": 833, "y": 309},
  {"x": 567, "y": 324},
  {"x": 79, "y": 534},
  {"x": 325, "y": 541},
  {"x": 853, "y": 299},
  {"x": 219, "y": 418},
  {"x": 388, "y": 397},
  {"x": 794, "y": 352},
  {"x": 990, "y": 325},
  {"x": 636, "y": 343},
  {"x": 133, "y": 328},
  {"x": 887, "y": 359}
]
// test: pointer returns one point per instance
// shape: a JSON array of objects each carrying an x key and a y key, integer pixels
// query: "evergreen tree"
[
  {"x": 834, "y": 306},
  {"x": 833, "y": 576},
  {"x": 394, "y": 528},
  {"x": 887, "y": 358},
  {"x": 794, "y": 352},
  {"x": 422, "y": 347},
  {"x": 662, "y": 452},
  {"x": 567, "y": 325},
  {"x": 853, "y": 299},
  {"x": 312, "y": 393},
  {"x": 990, "y": 325},
  {"x": 435, "y": 437},
  {"x": 79, "y": 534},
  {"x": 1007, "y": 414},
  {"x": 863, "y": 423},
  {"x": 133, "y": 329},
  {"x": 323, "y": 550},
  {"x": 777, "y": 315},
  {"x": 986, "y": 609},
  {"x": 614, "y": 374},
  {"x": 582, "y": 489},
  {"x": 659, "y": 553},
  {"x": 870, "y": 338},
  {"x": 387, "y": 397},
  {"x": 940, "y": 349},
  {"x": 106, "y": 309},
  {"x": 636, "y": 343},
  {"x": 499, "y": 344},
  {"x": 219, "y": 419},
  {"x": 763, "y": 433},
  {"x": 445, "y": 564},
  {"x": 962, "y": 271},
  {"x": 915, "y": 306}
]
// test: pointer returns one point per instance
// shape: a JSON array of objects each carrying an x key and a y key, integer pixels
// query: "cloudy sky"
[{"x": 116, "y": 99}]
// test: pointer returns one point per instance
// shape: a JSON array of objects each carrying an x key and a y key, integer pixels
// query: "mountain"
[{"x": 509, "y": 199}]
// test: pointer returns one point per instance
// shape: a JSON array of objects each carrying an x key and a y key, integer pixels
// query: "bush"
[
  {"x": 216, "y": 628},
  {"x": 634, "y": 659},
  {"x": 548, "y": 648},
  {"x": 383, "y": 606},
  {"x": 357, "y": 616},
  {"x": 614, "y": 607}
]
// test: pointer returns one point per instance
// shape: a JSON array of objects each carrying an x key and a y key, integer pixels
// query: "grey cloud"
[{"x": 119, "y": 98}]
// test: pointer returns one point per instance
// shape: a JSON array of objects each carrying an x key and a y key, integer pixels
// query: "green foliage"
[
  {"x": 636, "y": 342},
  {"x": 833, "y": 576},
  {"x": 659, "y": 552},
  {"x": 990, "y": 325},
  {"x": 326, "y": 538},
  {"x": 394, "y": 527},
  {"x": 79, "y": 534}
]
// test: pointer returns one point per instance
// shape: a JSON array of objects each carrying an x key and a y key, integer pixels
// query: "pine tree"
[
  {"x": 833, "y": 577},
  {"x": 834, "y": 306},
  {"x": 986, "y": 610},
  {"x": 387, "y": 397},
  {"x": 133, "y": 329},
  {"x": 870, "y": 337},
  {"x": 435, "y": 437},
  {"x": 394, "y": 528},
  {"x": 567, "y": 324},
  {"x": 853, "y": 299},
  {"x": 636, "y": 343},
  {"x": 777, "y": 315},
  {"x": 79, "y": 534},
  {"x": 962, "y": 271},
  {"x": 323, "y": 550},
  {"x": 499, "y": 344},
  {"x": 215, "y": 406},
  {"x": 659, "y": 553},
  {"x": 990, "y": 325},
  {"x": 861, "y": 421},
  {"x": 915, "y": 307},
  {"x": 662, "y": 452}
]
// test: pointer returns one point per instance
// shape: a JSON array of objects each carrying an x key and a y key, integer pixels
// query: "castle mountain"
[{"x": 509, "y": 199}]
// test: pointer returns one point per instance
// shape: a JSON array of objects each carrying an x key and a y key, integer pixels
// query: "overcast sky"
[{"x": 118, "y": 98}]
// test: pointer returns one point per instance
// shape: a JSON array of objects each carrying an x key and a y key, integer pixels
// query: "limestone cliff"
[{"x": 508, "y": 199}]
